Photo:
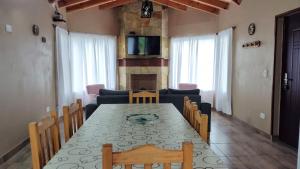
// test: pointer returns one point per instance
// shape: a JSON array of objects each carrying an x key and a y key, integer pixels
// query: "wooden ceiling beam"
[
  {"x": 66, "y": 3},
  {"x": 87, "y": 5},
  {"x": 198, "y": 6},
  {"x": 214, "y": 3},
  {"x": 171, "y": 4},
  {"x": 114, "y": 4},
  {"x": 237, "y": 1}
]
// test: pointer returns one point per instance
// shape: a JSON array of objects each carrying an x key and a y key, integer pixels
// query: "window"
[{"x": 192, "y": 61}]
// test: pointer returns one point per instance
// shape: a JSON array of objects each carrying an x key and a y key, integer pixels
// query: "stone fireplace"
[
  {"x": 136, "y": 72},
  {"x": 142, "y": 68}
]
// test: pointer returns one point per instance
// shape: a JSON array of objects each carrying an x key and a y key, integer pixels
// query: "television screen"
[{"x": 143, "y": 45}]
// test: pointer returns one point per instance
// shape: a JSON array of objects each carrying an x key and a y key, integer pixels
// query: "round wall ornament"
[
  {"x": 35, "y": 30},
  {"x": 251, "y": 29}
]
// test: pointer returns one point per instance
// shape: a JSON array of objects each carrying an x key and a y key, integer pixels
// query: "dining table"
[{"x": 126, "y": 126}]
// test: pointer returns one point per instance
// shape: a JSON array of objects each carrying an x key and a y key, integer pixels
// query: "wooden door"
[{"x": 290, "y": 95}]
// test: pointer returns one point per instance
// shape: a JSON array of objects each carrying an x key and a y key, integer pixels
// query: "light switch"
[
  {"x": 265, "y": 73},
  {"x": 48, "y": 109},
  {"x": 8, "y": 28},
  {"x": 262, "y": 115}
]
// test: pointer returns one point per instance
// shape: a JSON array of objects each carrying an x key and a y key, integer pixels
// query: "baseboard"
[
  {"x": 268, "y": 136},
  {"x": 20, "y": 146},
  {"x": 13, "y": 151},
  {"x": 222, "y": 114}
]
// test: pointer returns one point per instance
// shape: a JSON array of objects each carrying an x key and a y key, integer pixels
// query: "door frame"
[{"x": 277, "y": 69}]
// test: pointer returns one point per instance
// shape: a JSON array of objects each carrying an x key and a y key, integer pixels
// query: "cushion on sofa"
[
  {"x": 182, "y": 92},
  {"x": 113, "y": 92},
  {"x": 113, "y": 99}
]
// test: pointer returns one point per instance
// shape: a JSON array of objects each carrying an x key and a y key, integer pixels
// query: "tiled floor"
[
  {"x": 243, "y": 148},
  {"x": 22, "y": 160},
  {"x": 239, "y": 146}
]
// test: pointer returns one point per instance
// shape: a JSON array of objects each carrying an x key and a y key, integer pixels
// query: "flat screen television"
[{"x": 143, "y": 45}]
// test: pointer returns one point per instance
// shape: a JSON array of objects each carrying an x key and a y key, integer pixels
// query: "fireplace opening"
[{"x": 143, "y": 81}]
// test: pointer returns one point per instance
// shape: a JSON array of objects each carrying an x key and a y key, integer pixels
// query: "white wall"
[
  {"x": 191, "y": 22},
  {"x": 94, "y": 21},
  {"x": 27, "y": 70},
  {"x": 251, "y": 91}
]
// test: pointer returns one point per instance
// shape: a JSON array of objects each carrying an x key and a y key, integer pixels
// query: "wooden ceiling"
[{"x": 210, "y": 6}]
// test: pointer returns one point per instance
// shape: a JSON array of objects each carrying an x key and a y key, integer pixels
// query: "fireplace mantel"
[{"x": 143, "y": 62}]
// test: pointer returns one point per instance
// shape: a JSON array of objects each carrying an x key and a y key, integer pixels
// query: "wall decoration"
[
  {"x": 35, "y": 30},
  {"x": 251, "y": 29},
  {"x": 44, "y": 40},
  {"x": 252, "y": 44}
]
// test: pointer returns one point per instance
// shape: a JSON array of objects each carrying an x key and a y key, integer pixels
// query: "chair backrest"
[
  {"x": 201, "y": 125},
  {"x": 188, "y": 109},
  {"x": 147, "y": 155},
  {"x": 94, "y": 88},
  {"x": 73, "y": 118},
  {"x": 193, "y": 110},
  {"x": 198, "y": 120},
  {"x": 44, "y": 140},
  {"x": 187, "y": 86},
  {"x": 144, "y": 95},
  {"x": 185, "y": 100}
]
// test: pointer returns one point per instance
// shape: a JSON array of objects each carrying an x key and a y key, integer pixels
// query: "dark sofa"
[{"x": 165, "y": 96}]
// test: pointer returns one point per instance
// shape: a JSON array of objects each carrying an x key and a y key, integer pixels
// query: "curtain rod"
[{"x": 233, "y": 28}]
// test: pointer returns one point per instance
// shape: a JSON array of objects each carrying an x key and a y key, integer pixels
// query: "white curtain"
[
  {"x": 83, "y": 59},
  {"x": 192, "y": 61},
  {"x": 63, "y": 74},
  {"x": 93, "y": 61},
  {"x": 223, "y": 71}
]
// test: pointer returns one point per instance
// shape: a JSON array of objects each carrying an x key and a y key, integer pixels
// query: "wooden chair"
[
  {"x": 188, "y": 110},
  {"x": 196, "y": 119},
  {"x": 201, "y": 125},
  {"x": 193, "y": 111},
  {"x": 147, "y": 155},
  {"x": 144, "y": 95},
  {"x": 185, "y": 100},
  {"x": 73, "y": 118},
  {"x": 44, "y": 140}
]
